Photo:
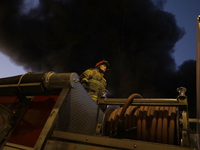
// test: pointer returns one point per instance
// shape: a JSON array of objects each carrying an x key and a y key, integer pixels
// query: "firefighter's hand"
[
  {"x": 105, "y": 92},
  {"x": 84, "y": 84}
]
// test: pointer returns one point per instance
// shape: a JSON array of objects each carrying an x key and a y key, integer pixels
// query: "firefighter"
[{"x": 93, "y": 80}]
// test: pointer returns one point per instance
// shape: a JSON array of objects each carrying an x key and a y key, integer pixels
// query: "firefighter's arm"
[{"x": 85, "y": 76}]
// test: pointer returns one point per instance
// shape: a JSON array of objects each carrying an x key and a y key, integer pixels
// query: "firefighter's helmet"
[{"x": 103, "y": 62}]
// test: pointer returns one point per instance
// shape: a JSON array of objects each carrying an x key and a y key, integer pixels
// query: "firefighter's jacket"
[{"x": 94, "y": 83}]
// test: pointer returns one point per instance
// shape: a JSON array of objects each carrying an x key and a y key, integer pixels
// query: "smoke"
[{"x": 137, "y": 37}]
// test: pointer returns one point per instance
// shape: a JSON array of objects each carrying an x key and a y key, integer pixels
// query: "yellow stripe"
[
  {"x": 85, "y": 79},
  {"x": 90, "y": 72},
  {"x": 97, "y": 82},
  {"x": 94, "y": 97}
]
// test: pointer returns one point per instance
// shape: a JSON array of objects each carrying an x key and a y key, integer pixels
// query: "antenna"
[{"x": 198, "y": 78}]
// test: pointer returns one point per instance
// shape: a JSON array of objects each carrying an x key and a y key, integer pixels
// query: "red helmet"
[{"x": 102, "y": 62}]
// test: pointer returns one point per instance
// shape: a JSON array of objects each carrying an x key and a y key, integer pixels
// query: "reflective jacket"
[{"x": 94, "y": 83}]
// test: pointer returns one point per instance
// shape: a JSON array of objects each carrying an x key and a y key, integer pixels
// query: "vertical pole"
[
  {"x": 50, "y": 123},
  {"x": 198, "y": 77}
]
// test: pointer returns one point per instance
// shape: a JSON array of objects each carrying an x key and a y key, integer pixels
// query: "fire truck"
[{"x": 52, "y": 111}]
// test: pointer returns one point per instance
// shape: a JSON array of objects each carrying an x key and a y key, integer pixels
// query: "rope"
[{"x": 18, "y": 85}]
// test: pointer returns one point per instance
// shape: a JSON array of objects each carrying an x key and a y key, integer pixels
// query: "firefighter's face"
[{"x": 103, "y": 68}]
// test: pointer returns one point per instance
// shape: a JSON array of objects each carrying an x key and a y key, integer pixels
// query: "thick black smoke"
[{"x": 136, "y": 36}]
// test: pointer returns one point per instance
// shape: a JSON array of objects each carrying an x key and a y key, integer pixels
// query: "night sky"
[{"x": 137, "y": 37}]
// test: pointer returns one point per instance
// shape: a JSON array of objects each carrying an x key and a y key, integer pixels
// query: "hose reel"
[
  {"x": 164, "y": 123},
  {"x": 147, "y": 123}
]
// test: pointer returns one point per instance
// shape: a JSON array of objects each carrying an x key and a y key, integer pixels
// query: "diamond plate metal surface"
[{"x": 80, "y": 112}]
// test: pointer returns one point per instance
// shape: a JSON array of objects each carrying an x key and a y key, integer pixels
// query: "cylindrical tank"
[{"x": 34, "y": 84}]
